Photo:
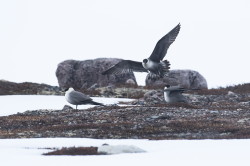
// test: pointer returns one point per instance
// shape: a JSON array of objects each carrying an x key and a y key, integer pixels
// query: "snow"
[
  {"x": 158, "y": 152},
  {"x": 165, "y": 152},
  {"x": 12, "y": 104}
]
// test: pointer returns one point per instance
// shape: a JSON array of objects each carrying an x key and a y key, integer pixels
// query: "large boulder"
[
  {"x": 85, "y": 74},
  {"x": 185, "y": 78}
]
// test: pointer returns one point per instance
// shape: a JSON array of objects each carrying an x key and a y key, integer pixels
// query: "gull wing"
[
  {"x": 125, "y": 66},
  {"x": 78, "y": 97},
  {"x": 178, "y": 89},
  {"x": 175, "y": 89},
  {"x": 163, "y": 44}
]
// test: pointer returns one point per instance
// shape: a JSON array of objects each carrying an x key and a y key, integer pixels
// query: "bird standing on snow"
[
  {"x": 174, "y": 94},
  {"x": 154, "y": 64},
  {"x": 78, "y": 98}
]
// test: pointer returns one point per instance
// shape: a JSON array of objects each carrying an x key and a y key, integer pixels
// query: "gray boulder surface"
[
  {"x": 85, "y": 74},
  {"x": 189, "y": 79}
]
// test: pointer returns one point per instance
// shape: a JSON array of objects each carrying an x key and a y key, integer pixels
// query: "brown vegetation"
[
  {"x": 74, "y": 151},
  {"x": 210, "y": 114}
]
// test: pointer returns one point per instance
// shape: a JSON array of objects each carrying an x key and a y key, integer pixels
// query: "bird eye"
[{"x": 145, "y": 60}]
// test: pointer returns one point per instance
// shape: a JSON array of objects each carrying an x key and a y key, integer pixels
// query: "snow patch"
[{"x": 117, "y": 149}]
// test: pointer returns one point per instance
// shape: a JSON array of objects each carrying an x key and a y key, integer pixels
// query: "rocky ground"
[
  {"x": 222, "y": 113},
  {"x": 27, "y": 88}
]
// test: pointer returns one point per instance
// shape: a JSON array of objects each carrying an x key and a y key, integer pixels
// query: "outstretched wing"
[
  {"x": 125, "y": 66},
  {"x": 163, "y": 44}
]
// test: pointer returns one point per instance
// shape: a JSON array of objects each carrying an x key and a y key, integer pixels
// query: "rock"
[
  {"x": 67, "y": 107},
  {"x": 232, "y": 94},
  {"x": 185, "y": 78},
  {"x": 109, "y": 91},
  {"x": 154, "y": 97},
  {"x": 131, "y": 82},
  {"x": 117, "y": 149},
  {"x": 84, "y": 74},
  {"x": 94, "y": 86}
]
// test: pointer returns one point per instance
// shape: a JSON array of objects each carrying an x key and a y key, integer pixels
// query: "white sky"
[{"x": 36, "y": 35}]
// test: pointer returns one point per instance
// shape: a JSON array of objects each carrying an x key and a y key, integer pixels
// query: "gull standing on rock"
[
  {"x": 154, "y": 64},
  {"x": 78, "y": 98}
]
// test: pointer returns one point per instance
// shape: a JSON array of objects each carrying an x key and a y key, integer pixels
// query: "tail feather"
[
  {"x": 162, "y": 71},
  {"x": 96, "y": 103},
  {"x": 165, "y": 66}
]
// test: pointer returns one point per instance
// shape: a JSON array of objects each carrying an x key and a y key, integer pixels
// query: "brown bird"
[{"x": 155, "y": 65}]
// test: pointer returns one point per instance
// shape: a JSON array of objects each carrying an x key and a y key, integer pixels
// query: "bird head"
[
  {"x": 68, "y": 89},
  {"x": 145, "y": 61},
  {"x": 167, "y": 86}
]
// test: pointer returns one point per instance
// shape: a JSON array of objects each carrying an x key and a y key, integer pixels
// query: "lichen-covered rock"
[
  {"x": 84, "y": 74},
  {"x": 131, "y": 82},
  {"x": 154, "y": 97},
  {"x": 67, "y": 107},
  {"x": 185, "y": 78}
]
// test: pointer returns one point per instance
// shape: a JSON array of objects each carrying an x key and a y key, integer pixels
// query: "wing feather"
[
  {"x": 163, "y": 44},
  {"x": 125, "y": 66},
  {"x": 78, "y": 97}
]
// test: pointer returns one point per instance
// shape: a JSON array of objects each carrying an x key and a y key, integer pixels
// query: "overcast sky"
[{"x": 36, "y": 35}]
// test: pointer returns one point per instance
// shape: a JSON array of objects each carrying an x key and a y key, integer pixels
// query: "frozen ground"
[{"x": 165, "y": 152}]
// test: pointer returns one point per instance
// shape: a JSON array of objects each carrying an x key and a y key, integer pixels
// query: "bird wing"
[
  {"x": 163, "y": 44},
  {"x": 176, "y": 92},
  {"x": 125, "y": 66},
  {"x": 79, "y": 97},
  {"x": 175, "y": 89}
]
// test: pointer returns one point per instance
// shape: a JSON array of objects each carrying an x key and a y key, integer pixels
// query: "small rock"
[
  {"x": 67, "y": 107},
  {"x": 232, "y": 94},
  {"x": 130, "y": 82},
  {"x": 117, "y": 149},
  {"x": 154, "y": 97},
  {"x": 94, "y": 86},
  {"x": 154, "y": 117}
]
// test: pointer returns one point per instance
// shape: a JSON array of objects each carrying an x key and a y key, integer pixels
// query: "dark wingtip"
[
  {"x": 96, "y": 103},
  {"x": 178, "y": 25},
  {"x": 105, "y": 72}
]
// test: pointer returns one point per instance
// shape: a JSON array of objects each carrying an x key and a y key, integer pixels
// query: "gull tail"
[{"x": 96, "y": 103}]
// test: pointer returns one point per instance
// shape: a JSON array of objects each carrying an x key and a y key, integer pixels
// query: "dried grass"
[{"x": 75, "y": 151}]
